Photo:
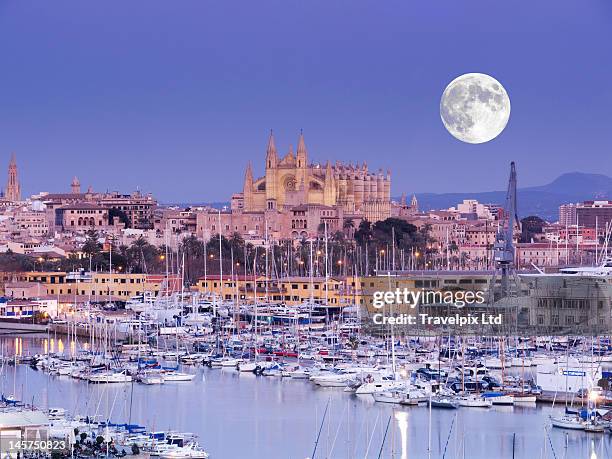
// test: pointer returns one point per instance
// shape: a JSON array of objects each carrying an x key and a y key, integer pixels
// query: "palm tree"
[{"x": 348, "y": 226}]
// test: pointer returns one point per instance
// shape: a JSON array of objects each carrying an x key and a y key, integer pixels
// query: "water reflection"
[{"x": 402, "y": 423}]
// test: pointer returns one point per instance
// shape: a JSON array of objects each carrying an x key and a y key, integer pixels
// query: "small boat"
[
  {"x": 566, "y": 421},
  {"x": 300, "y": 373},
  {"x": 524, "y": 398},
  {"x": 176, "y": 376},
  {"x": 152, "y": 379},
  {"x": 388, "y": 396},
  {"x": 186, "y": 452},
  {"x": 110, "y": 377},
  {"x": 249, "y": 366},
  {"x": 443, "y": 402},
  {"x": 499, "y": 398},
  {"x": 379, "y": 386},
  {"x": 413, "y": 397},
  {"x": 472, "y": 401}
]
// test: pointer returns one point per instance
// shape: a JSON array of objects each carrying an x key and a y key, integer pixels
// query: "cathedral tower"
[
  {"x": 75, "y": 186},
  {"x": 247, "y": 190},
  {"x": 13, "y": 190}
]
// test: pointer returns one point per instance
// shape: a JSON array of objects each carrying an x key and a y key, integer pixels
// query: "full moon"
[{"x": 475, "y": 108}]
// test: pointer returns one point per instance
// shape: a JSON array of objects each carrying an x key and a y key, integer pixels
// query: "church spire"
[
  {"x": 302, "y": 154},
  {"x": 414, "y": 203},
  {"x": 13, "y": 190},
  {"x": 248, "y": 175},
  {"x": 247, "y": 190},
  {"x": 271, "y": 155}
]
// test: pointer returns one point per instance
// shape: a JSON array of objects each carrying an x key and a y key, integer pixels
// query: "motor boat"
[
  {"x": 191, "y": 451},
  {"x": 379, "y": 386}
]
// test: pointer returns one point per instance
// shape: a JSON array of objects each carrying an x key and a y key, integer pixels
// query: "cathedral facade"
[{"x": 292, "y": 181}]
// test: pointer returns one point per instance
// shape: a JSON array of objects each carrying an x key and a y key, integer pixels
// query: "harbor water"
[{"x": 240, "y": 415}]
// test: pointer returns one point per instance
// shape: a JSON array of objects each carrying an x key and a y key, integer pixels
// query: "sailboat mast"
[{"x": 220, "y": 261}]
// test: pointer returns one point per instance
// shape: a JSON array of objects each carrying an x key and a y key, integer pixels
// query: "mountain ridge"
[{"x": 542, "y": 200}]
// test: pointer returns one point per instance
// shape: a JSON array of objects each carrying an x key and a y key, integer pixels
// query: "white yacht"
[
  {"x": 381, "y": 385},
  {"x": 473, "y": 401},
  {"x": 567, "y": 421},
  {"x": 110, "y": 377},
  {"x": 177, "y": 376}
]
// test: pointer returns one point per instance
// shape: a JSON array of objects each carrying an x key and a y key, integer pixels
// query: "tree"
[
  {"x": 123, "y": 218},
  {"x": 348, "y": 226},
  {"x": 91, "y": 247},
  {"x": 363, "y": 233}
]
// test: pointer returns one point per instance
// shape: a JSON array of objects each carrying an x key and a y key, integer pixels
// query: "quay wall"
[
  {"x": 85, "y": 330},
  {"x": 10, "y": 327}
]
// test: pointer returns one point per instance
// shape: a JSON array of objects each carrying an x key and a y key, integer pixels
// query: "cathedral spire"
[
  {"x": 13, "y": 190},
  {"x": 414, "y": 203},
  {"x": 247, "y": 190},
  {"x": 271, "y": 154},
  {"x": 302, "y": 154},
  {"x": 248, "y": 175}
]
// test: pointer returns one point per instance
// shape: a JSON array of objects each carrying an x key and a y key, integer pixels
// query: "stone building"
[{"x": 292, "y": 181}]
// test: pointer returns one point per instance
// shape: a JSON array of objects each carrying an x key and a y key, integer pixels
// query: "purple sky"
[{"x": 176, "y": 97}]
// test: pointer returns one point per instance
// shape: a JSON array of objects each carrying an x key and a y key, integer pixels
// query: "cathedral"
[{"x": 291, "y": 181}]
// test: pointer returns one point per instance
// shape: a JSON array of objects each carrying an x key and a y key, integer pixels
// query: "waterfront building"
[
  {"x": 18, "y": 425},
  {"x": 363, "y": 288},
  {"x": 24, "y": 289},
  {"x": 96, "y": 286},
  {"x": 558, "y": 304},
  {"x": 18, "y": 309},
  {"x": 291, "y": 290}
]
